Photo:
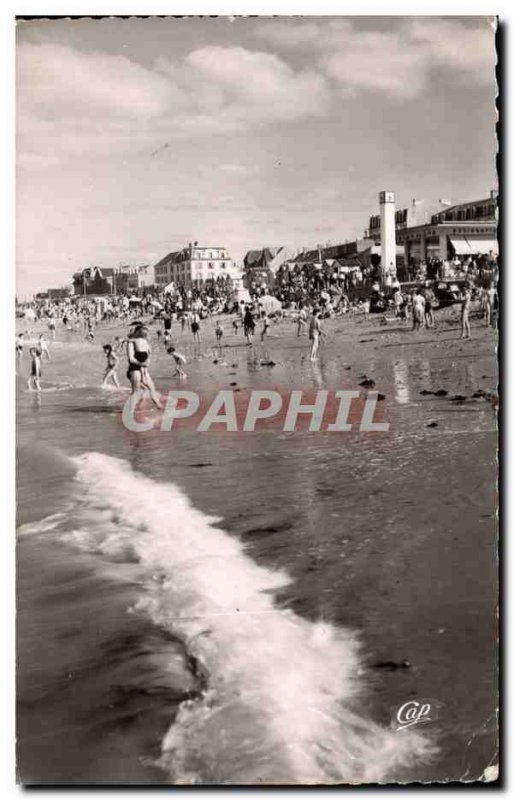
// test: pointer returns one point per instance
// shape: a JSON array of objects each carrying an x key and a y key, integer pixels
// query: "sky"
[{"x": 137, "y": 136}]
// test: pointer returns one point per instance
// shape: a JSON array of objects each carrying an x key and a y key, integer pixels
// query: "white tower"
[{"x": 387, "y": 236}]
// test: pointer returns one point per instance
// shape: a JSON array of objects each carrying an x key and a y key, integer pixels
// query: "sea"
[{"x": 253, "y": 608}]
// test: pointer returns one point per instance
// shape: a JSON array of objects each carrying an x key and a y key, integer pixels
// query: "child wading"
[
  {"x": 180, "y": 360},
  {"x": 110, "y": 369},
  {"x": 43, "y": 346}
]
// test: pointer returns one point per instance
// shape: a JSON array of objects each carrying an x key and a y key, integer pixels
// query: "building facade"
[
  {"x": 467, "y": 229},
  {"x": 95, "y": 281},
  {"x": 442, "y": 231},
  {"x": 135, "y": 278},
  {"x": 194, "y": 266}
]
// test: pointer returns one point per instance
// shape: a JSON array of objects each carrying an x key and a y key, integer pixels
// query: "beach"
[{"x": 242, "y": 608}]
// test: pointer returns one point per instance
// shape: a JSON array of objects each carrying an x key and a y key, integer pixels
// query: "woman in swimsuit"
[{"x": 138, "y": 354}]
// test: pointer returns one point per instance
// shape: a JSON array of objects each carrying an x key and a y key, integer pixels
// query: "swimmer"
[
  {"x": 110, "y": 369},
  {"x": 43, "y": 346},
  {"x": 35, "y": 369},
  {"x": 180, "y": 360}
]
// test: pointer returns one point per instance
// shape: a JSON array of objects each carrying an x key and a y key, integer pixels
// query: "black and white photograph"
[{"x": 256, "y": 370}]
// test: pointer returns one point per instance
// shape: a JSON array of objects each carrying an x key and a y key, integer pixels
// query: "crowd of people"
[{"x": 304, "y": 295}]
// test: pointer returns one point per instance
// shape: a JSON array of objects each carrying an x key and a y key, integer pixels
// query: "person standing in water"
[
  {"x": 315, "y": 333},
  {"x": 35, "y": 370},
  {"x": 218, "y": 330},
  {"x": 19, "y": 349},
  {"x": 302, "y": 322},
  {"x": 249, "y": 325},
  {"x": 43, "y": 346},
  {"x": 195, "y": 327},
  {"x": 51, "y": 325},
  {"x": 110, "y": 369},
  {"x": 265, "y": 328},
  {"x": 138, "y": 354}
]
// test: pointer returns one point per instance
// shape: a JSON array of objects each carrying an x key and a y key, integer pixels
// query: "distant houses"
[
  {"x": 54, "y": 294},
  {"x": 422, "y": 231},
  {"x": 106, "y": 280}
]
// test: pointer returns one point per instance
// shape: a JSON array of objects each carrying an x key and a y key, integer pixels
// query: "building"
[
  {"x": 467, "y": 229},
  {"x": 442, "y": 230},
  {"x": 95, "y": 281},
  {"x": 416, "y": 214},
  {"x": 54, "y": 294},
  {"x": 363, "y": 250},
  {"x": 135, "y": 278},
  {"x": 105, "y": 280},
  {"x": 195, "y": 266},
  {"x": 260, "y": 266}
]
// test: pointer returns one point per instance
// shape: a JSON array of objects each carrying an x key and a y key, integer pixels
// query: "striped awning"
[{"x": 469, "y": 246}]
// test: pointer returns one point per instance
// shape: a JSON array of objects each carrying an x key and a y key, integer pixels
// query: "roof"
[
  {"x": 172, "y": 257},
  {"x": 261, "y": 258},
  {"x": 337, "y": 251}
]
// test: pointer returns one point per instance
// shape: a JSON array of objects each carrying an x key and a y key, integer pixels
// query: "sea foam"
[{"x": 281, "y": 699}]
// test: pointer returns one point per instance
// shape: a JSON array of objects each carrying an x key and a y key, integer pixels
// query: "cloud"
[
  {"x": 71, "y": 102},
  {"x": 57, "y": 80},
  {"x": 233, "y": 89},
  {"x": 397, "y": 62}
]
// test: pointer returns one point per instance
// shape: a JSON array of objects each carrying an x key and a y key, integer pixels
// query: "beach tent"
[{"x": 269, "y": 304}]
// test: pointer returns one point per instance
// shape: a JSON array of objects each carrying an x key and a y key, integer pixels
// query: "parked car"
[{"x": 447, "y": 294}]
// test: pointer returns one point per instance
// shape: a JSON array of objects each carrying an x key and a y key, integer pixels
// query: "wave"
[{"x": 281, "y": 697}]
